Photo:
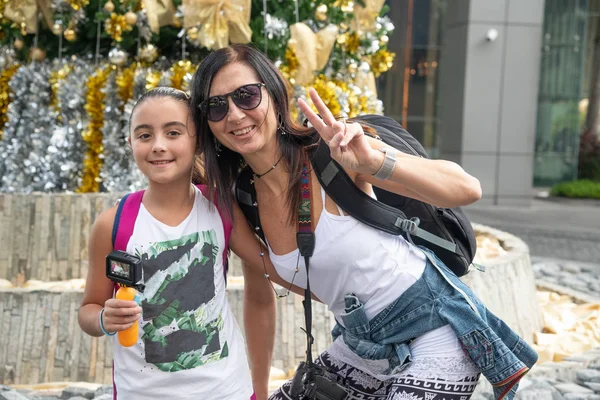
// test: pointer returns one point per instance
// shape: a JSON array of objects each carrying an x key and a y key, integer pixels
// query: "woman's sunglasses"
[{"x": 246, "y": 97}]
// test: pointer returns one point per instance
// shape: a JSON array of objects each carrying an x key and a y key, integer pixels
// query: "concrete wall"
[{"x": 488, "y": 93}]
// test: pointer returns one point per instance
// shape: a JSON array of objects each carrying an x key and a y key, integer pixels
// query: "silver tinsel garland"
[
  {"x": 119, "y": 171},
  {"x": 67, "y": 148},
  {"x": 31, "y": 120}
]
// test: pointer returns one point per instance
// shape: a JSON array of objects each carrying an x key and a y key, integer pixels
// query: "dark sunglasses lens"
[
  {"x": 247, "y": 97},
  {"x": 217, "y": 108}
]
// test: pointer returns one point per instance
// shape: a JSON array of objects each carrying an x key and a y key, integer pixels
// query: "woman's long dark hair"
[{"x": 221, "y": 172}]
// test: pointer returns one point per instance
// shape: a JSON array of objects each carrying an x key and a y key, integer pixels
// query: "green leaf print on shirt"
[{"x": 183, "y": 322}]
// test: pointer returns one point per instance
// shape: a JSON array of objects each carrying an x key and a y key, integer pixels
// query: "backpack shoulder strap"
[
  {"x": 127, "y": 212},
  {"x": 342, "y": 190},
  {"x": 227, "y": 227},
  {"x": 246, "y": 198}
]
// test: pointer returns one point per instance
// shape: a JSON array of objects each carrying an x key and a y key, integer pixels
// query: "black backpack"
[{"x": 447, "y": 232}]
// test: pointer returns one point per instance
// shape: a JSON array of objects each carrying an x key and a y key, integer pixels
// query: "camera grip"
[{"x": 129, "y": 336}]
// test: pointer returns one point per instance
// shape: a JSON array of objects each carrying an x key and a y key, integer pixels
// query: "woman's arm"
[
  {"x": 438, "y": 182},
  {"x": 98, "y": 293}
]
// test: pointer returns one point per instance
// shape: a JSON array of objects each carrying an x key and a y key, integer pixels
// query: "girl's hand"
[
  {"x": 346, "y": 141},
  {"x": 120, "y": 314}
]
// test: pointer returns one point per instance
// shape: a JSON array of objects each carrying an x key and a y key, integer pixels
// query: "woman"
[{"x": 427, "y": 334}]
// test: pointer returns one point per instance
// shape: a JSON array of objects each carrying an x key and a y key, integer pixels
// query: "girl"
[
  {"x": 407, "y": 327},
  {"x": 189, "y": 346}
]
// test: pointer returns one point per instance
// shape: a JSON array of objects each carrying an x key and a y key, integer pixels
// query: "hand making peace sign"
[{"x": 347, "y": 141}]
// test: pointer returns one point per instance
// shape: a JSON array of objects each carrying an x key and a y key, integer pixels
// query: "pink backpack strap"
[
  {"x": 227, "y": 227},
  {"x": 127, "y": 212}
]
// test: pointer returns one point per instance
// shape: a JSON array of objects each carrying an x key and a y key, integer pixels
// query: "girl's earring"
[
  {"x": 281, "y": 126},
  {"x": 218, "y": 148}
]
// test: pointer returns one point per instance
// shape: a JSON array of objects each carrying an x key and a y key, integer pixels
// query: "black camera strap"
[{"x": 306, "y": 246}]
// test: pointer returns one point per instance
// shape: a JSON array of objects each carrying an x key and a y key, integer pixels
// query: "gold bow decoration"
[
  {"x": 221, "y": 21},
  {"x": 312, "y": 49},
  {"x": 160, "y": 13},
  {"x": 365, "y": 17},
  {"x": 25, "y": 12}
]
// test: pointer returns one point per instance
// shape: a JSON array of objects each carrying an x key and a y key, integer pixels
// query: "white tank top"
[
  {"x": 351, "y": 257},
  {"x": 190, "y": 345}
]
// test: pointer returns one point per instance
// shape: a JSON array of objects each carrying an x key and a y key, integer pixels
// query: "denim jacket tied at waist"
[{"x": 433, "y": 301}]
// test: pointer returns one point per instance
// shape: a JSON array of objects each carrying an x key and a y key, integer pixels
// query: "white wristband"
[{"x": 389, "y": 162}]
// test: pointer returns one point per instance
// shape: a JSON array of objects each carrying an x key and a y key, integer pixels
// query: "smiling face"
[
  {"x": 163, "y": 140},
  {"x": 244, "y": 131}
]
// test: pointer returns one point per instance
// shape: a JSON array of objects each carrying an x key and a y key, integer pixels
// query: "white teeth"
[{"x": 242, "y": 131}]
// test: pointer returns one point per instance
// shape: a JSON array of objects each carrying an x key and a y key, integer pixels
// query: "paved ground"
[{"x": 565, "y": 229}]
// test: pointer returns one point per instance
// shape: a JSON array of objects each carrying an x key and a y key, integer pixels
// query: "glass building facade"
[{"x": 410, "y": 90}]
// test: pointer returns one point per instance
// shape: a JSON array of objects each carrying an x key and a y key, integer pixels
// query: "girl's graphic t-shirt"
[{"x": 190, "y": 346}]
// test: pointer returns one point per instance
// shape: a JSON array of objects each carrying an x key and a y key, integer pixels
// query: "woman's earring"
[
  {"x": 218, "y": 148},
  {"x": 281, "y": 126}
]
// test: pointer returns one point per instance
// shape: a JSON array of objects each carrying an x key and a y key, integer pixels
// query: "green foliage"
[{"x": 580, "y": 189}]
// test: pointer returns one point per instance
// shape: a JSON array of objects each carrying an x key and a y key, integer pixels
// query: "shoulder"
[{"x": 105, "y": 220}]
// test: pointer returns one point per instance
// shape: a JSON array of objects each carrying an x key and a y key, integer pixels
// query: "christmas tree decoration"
[
  {"x": 181, "y": 74},
  {"x": 159, "y": 12},
  {"x": 105, "y": 54},
  {"x": 117, "y": 57},
  {"x": 67, "y": 148},
  {"x": 57, "y": 76},
  {"x": 77, "y": 5},
  {"x": 365, "y": 16},
  {"x": 57, "y": 28},
  {"x": 26, "y": 137},
  {"x": 70, "y": 35},
  {"x": 18, "y": 44},
  {"x": 7, "y": 57},
  {"x": 37, "y": 54},
  {"x": 124, "y": 81},
  {"x": 311, "y": 49},
  {"x": 26, "y": 12},
  {"x": 381, "y": 62},
  {"x": 221, "y": 22},
  {"x": 130, "y": 17},
  {"x": 92, "y": 135},
  {"x": 115, "y": 25},
  {"x": 148, "y": 53},
  {"x": 5, "y": 93},
  {"x": 321, "y": 13}
]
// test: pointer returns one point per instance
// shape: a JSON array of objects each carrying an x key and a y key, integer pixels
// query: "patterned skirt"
[{"x": 427, "y": 378}]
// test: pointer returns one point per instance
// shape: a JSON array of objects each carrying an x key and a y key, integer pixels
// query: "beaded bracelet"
[{"x": 102, "y": 325}]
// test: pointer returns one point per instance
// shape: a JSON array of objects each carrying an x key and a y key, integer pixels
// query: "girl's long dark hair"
[{"x": 221, "y": 172}]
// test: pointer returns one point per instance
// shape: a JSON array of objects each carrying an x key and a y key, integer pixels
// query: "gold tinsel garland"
[
  {"x": 78, "y": 4},
  {"x": 92, "y": 162},
  {"x": 326, "y": 90},
  {"x": 56, "y": 77},
  {"x": 179, "y": 70},
  {"x": 5, "y": 99},
  {"x": 381, "y": 61},
  {"x": 116, "y": 25},
  {"x": 153, "y": 79},
  {"x": 125, "y": 81}
]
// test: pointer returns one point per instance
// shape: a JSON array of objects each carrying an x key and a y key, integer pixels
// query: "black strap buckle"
[{"x": 306, "y": 243}]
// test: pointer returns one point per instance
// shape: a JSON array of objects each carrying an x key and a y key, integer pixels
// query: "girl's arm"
[{"x": 98, "y": 293}]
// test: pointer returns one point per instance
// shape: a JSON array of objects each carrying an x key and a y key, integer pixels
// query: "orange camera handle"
[{"x": 129, "y": 336}]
